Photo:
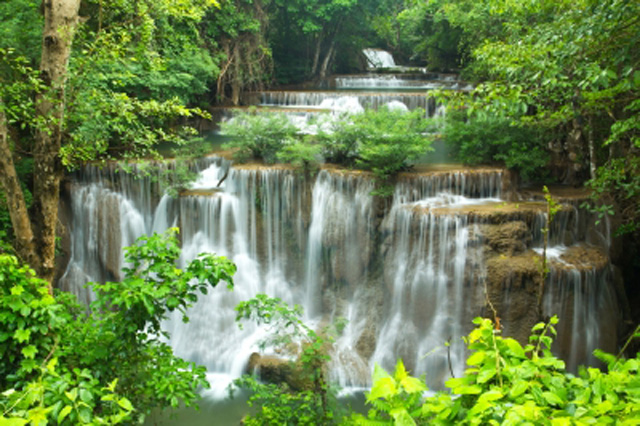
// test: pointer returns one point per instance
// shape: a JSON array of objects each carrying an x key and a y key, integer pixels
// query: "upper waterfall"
[{"x": 378, "y": 58}]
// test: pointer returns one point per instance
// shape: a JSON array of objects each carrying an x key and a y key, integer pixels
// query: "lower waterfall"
[{"x": 408, "y": 273}]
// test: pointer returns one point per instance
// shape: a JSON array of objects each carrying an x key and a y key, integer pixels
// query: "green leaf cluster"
[
  {"x": 383, "y": 141},
  {"x": 486, "y": 139},
  {"x": 306, "y": 398},
  {"x": 258, "y": 135},
  {"x": 93, "y": 367},
  {"x": 508, "y": 384}
]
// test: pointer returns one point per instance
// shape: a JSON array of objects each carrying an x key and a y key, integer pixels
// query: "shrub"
[
  {"x": 62, "y": 363},
  {"x": 313, "y": 402},
  {"x": 258, "y": 135},
  {"x": 510, "y": 384},
  {"x": 391, "y": 140},
  {"x": 302, "y": 155},
  {"x": 384, "y": 141},
  {"x": 488, "y": 139}
]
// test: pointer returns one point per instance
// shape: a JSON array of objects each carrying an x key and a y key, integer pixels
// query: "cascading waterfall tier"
[
  {"x": 408, "y": 274},
  {"x": 333, "y": 101}
]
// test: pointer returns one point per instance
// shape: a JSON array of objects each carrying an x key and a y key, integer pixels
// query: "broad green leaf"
[
  {"x": 552, "y": 398},
  {"x": 383, "y": 388},
  {"x": 85, "y": 414},
  {"x": 413, "y": 384},
  {"x": 72, "y": 394},
  {"x": 468, "y": 390},
  {"x": 515, "y": 347},
  {"x": 400, "y": 372},
  {"x": 492, "y": 395},
  {"x": 125, "y": 403},
  {"x": 17, "y": 290},
  {"x": 85, "y": 395},
  {"x": 476, "y": 358},
  {"x": 29, "y": 351},
  {"x": 401, "y": 417},
  {"x": 64, "y": 413},
  {"x": 22, "y": 335},
  {"x": 13, "y": 421},
  {"x": 518, "y": 388},
  {"x": 379, "y": 373},
  {"x": 486, "y": 374}
]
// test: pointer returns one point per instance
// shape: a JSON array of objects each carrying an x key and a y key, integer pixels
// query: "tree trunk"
[
  {"x": 327, "y": 60},
  {"x": 24, "y": 241},
  {"x": 36, "y": 238},
  {"x": 593, "y": 165},
  {"x": 316, "y": 54},
  {"x": 60, "y": 21}
]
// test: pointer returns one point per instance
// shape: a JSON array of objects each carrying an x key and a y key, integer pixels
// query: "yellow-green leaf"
[{"x": 383, "y": 388}]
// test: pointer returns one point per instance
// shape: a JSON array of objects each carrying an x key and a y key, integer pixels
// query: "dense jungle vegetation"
[{"x": 556, "y": 97}]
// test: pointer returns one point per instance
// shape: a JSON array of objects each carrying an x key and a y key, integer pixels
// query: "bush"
[
  {"x": 487, "y": 139},
  {"x": 384, "y": 141},
  {"x": 302, "y": 155},
  {"x": 510, "y": 384},
  {"x": 115, "y": 356},
  {"x": 258, "y": 135},
  {"x": 391, "y": 140},
  {"x": 313, "y": 401}
]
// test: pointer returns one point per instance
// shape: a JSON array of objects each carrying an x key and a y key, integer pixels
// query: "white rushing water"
[
  {"x": 378, "y": 58},
  {"x": 406, "y": 280}
]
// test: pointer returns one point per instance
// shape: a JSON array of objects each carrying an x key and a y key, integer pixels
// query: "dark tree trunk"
[
  {"x": 24, "y": 241},
  {"x": 36, "y": 237}
]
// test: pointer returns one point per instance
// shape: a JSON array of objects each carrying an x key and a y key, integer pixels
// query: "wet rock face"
[
  {"x": 270, "y": 368},
  {"x": 109, "y": 243},
  {"x": 512, "y": 288},
  {"x": 509, "y": 238}
]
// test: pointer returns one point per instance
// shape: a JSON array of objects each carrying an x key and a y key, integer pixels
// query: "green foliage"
[
  {"x": 320, "y": 29},
  {"x": 22, "y": 27},
  {"x": 487, "y": 139},
  {"x": 71, "y": 398},
  {"x": 79, "y": 367},
  {"x": 390, "y": 140},
  {"x": 414, "y": 32},
  {"x": 258, "y": 135},
  {"x": 237, "y": 39},
  {"x": 302, "y": 155},
  {"x": 340, "y": 140},
  {"x": 28, "y": 315},
  {"x": 510, "y": 384},
  {"x": 618, "y": 181},
  {"x": 306, "y": 399},
  {"x": 384, "y": 141},
  {"x": 395, "y": 399}
]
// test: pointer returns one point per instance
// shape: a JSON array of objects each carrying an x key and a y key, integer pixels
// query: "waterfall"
[
  {"x": 333, "y": 101},
  {"x": 377, "y": 58},
  {"x": 407, "y": 276}
]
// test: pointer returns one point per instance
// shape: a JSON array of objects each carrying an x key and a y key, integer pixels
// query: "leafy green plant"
[
  {"x": 258, "y": 135},
  {"x": 487, "y": 139},
  {"x": 115, "y": 355},
  {"x": 71, "y": 398},
  {"x": 301, "y": 154},
  {"x": 392, "y": 139},
  {"x": 507, "y": 383},
  {"x": 307, "y": 399},
  {"x": 395, "y": 399},
  {"x": 384, "y": 141},
  {"x": 618, "y": 181}
]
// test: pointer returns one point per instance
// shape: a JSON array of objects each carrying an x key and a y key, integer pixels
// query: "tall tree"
[
  {"x": 35, "y": 235},
  {"x": 111, "y": 98}
]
